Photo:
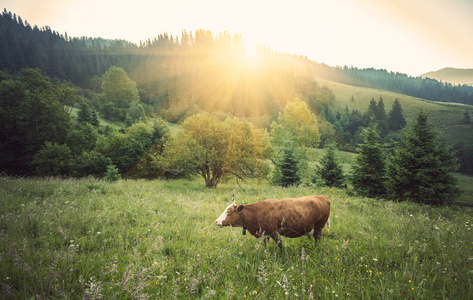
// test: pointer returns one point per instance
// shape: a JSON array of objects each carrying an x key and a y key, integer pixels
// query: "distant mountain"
[{"x": 452, "y": 75}]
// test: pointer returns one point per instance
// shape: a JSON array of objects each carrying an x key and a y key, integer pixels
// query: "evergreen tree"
[
  {"x": 84, "y": 114},
  {"x": 380, "y": 112},
  {"x": 396, "y": 119},
  {"x": 368, "y": 173},
  {"x": 381, "y": 118},
  {"x": 466, "y": 117},
  {"x": 288, "y": 168},
  {"x": 372, "y": 109},
  {"x": 421, "y": 170},
  {"x": 94, "y": 119},
  {"x": 330, "y": 170}
]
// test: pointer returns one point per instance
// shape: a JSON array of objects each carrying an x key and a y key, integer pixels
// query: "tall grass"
[{"x": 156, "y": 239}]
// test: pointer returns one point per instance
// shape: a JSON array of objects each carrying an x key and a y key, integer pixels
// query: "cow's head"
[{"x": 230, "y": 216}]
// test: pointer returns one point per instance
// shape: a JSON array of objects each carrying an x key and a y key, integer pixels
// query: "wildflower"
[{"x": 375, "y": 259}]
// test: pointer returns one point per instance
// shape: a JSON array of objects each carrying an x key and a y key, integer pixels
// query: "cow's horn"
[{"x": 233, "y": 200}]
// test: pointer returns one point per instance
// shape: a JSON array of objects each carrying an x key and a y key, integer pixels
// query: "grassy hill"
[
  {"x": 448, "y": 115},
  {"x": 157, "y": 239},
  {"x": 453, "y": 75}
]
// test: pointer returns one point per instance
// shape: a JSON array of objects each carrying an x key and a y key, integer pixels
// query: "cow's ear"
[{"x": 240, "y": 208}]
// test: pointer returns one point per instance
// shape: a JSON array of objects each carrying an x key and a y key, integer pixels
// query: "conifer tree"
[
  {"x": 94, "y": 119},
  {"x": 84, "y": 114},
  {"x": 288, "y": 168},
  {"x": 466, "y": 117},
  {"x": 421, "y": 170},
  {"x": 396, "y": 119},
  {"x": 372, "y": 109},
  {"x": 368, "y": 173},
  {"x": 330, "y": 170}
]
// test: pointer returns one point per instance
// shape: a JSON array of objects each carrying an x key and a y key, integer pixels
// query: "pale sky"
[{"x": 408, "y": 36}]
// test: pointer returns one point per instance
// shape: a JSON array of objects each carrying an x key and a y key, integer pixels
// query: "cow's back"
[{"x": 291, "y": 217}]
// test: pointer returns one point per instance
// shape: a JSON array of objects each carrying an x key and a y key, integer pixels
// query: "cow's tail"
[{"x": 328, "y": 224}]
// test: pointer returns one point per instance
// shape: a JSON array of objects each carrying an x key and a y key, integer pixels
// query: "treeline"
[
  {"x": 349, "y": 124},
  {"x": 175, "y": 76},
  {"x": 425, "y": 88}
]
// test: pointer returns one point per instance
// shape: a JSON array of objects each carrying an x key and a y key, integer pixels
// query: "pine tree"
[
  {"x": 368, "y": 173},
  {"x": 94, "y": 119},
  {"x": 372, "y": 109},
  {"x": 381, "y": 117},
  {"x": 84, "y": 114},
  {"x": 330, "y": 170},
  {"x": 421, "y": 170},
  {"x": 396, "y": 119},
  {"x": 288, "y": 170},
  {"x": 466, "y": 117}
]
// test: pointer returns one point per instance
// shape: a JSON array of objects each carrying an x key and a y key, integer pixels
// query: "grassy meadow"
[{"x": 91, "y": 239}]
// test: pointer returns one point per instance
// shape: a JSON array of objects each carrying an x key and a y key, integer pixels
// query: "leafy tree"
[
  {"x": 396, "y": 119},
  {"x": 296, "y": 125},
  {"x": 90, "y": 163},
  {"x": 151, "y": 164},
  {"x": 214, "y": 148},
  {"x": 53, "y": 160},
  {"x": 126, "y": 149},
  {"x": 295, "y": 130},
  {"x": 368, "y": 173},
  {"x": 119, "y": 91},
  {"x": 31, "y": 114},
  {"x": 330, "y": 170},
  {"x": 81, "y": 137},
  {"x": 420, "y": 169}
]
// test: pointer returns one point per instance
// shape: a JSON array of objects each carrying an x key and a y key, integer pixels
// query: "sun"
[{"x": 251, "y": 50}]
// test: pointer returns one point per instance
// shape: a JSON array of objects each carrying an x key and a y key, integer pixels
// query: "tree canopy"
[{"x": 213, "y": 148}]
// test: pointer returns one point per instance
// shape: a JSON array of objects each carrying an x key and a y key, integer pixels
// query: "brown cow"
[{"x": 290, "y": 217}]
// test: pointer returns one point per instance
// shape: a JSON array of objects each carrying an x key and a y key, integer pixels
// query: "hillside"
[
  {"x": 453, "y": 75},
  {"x": 448, "y": 115}
]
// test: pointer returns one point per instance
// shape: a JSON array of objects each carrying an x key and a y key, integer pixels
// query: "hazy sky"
[{"x": 408, "y": 36}]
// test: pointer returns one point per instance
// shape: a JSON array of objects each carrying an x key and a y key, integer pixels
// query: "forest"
[
  {"x": 81, "y": 60},
  {"x": 87, "y": 106}
]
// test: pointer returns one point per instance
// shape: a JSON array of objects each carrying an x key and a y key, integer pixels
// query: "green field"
[{"x": 91, "y": 239}]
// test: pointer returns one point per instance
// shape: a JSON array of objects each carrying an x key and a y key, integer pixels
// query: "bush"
[{"x": 112, "y": 173}]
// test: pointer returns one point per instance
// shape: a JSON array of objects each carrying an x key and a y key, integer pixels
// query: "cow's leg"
[
  {"x": 277, "y": 238},
  {"x": 317, "y": 234},
  {"x": 265, "y": 239}
]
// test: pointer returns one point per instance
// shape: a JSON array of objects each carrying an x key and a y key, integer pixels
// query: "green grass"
[
  {"x": 156, "y": 239},
  {"x": 465, "y": 182}
]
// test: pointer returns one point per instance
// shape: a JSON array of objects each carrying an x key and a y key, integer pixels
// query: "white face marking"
[{"x": 223, "y": 216}]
